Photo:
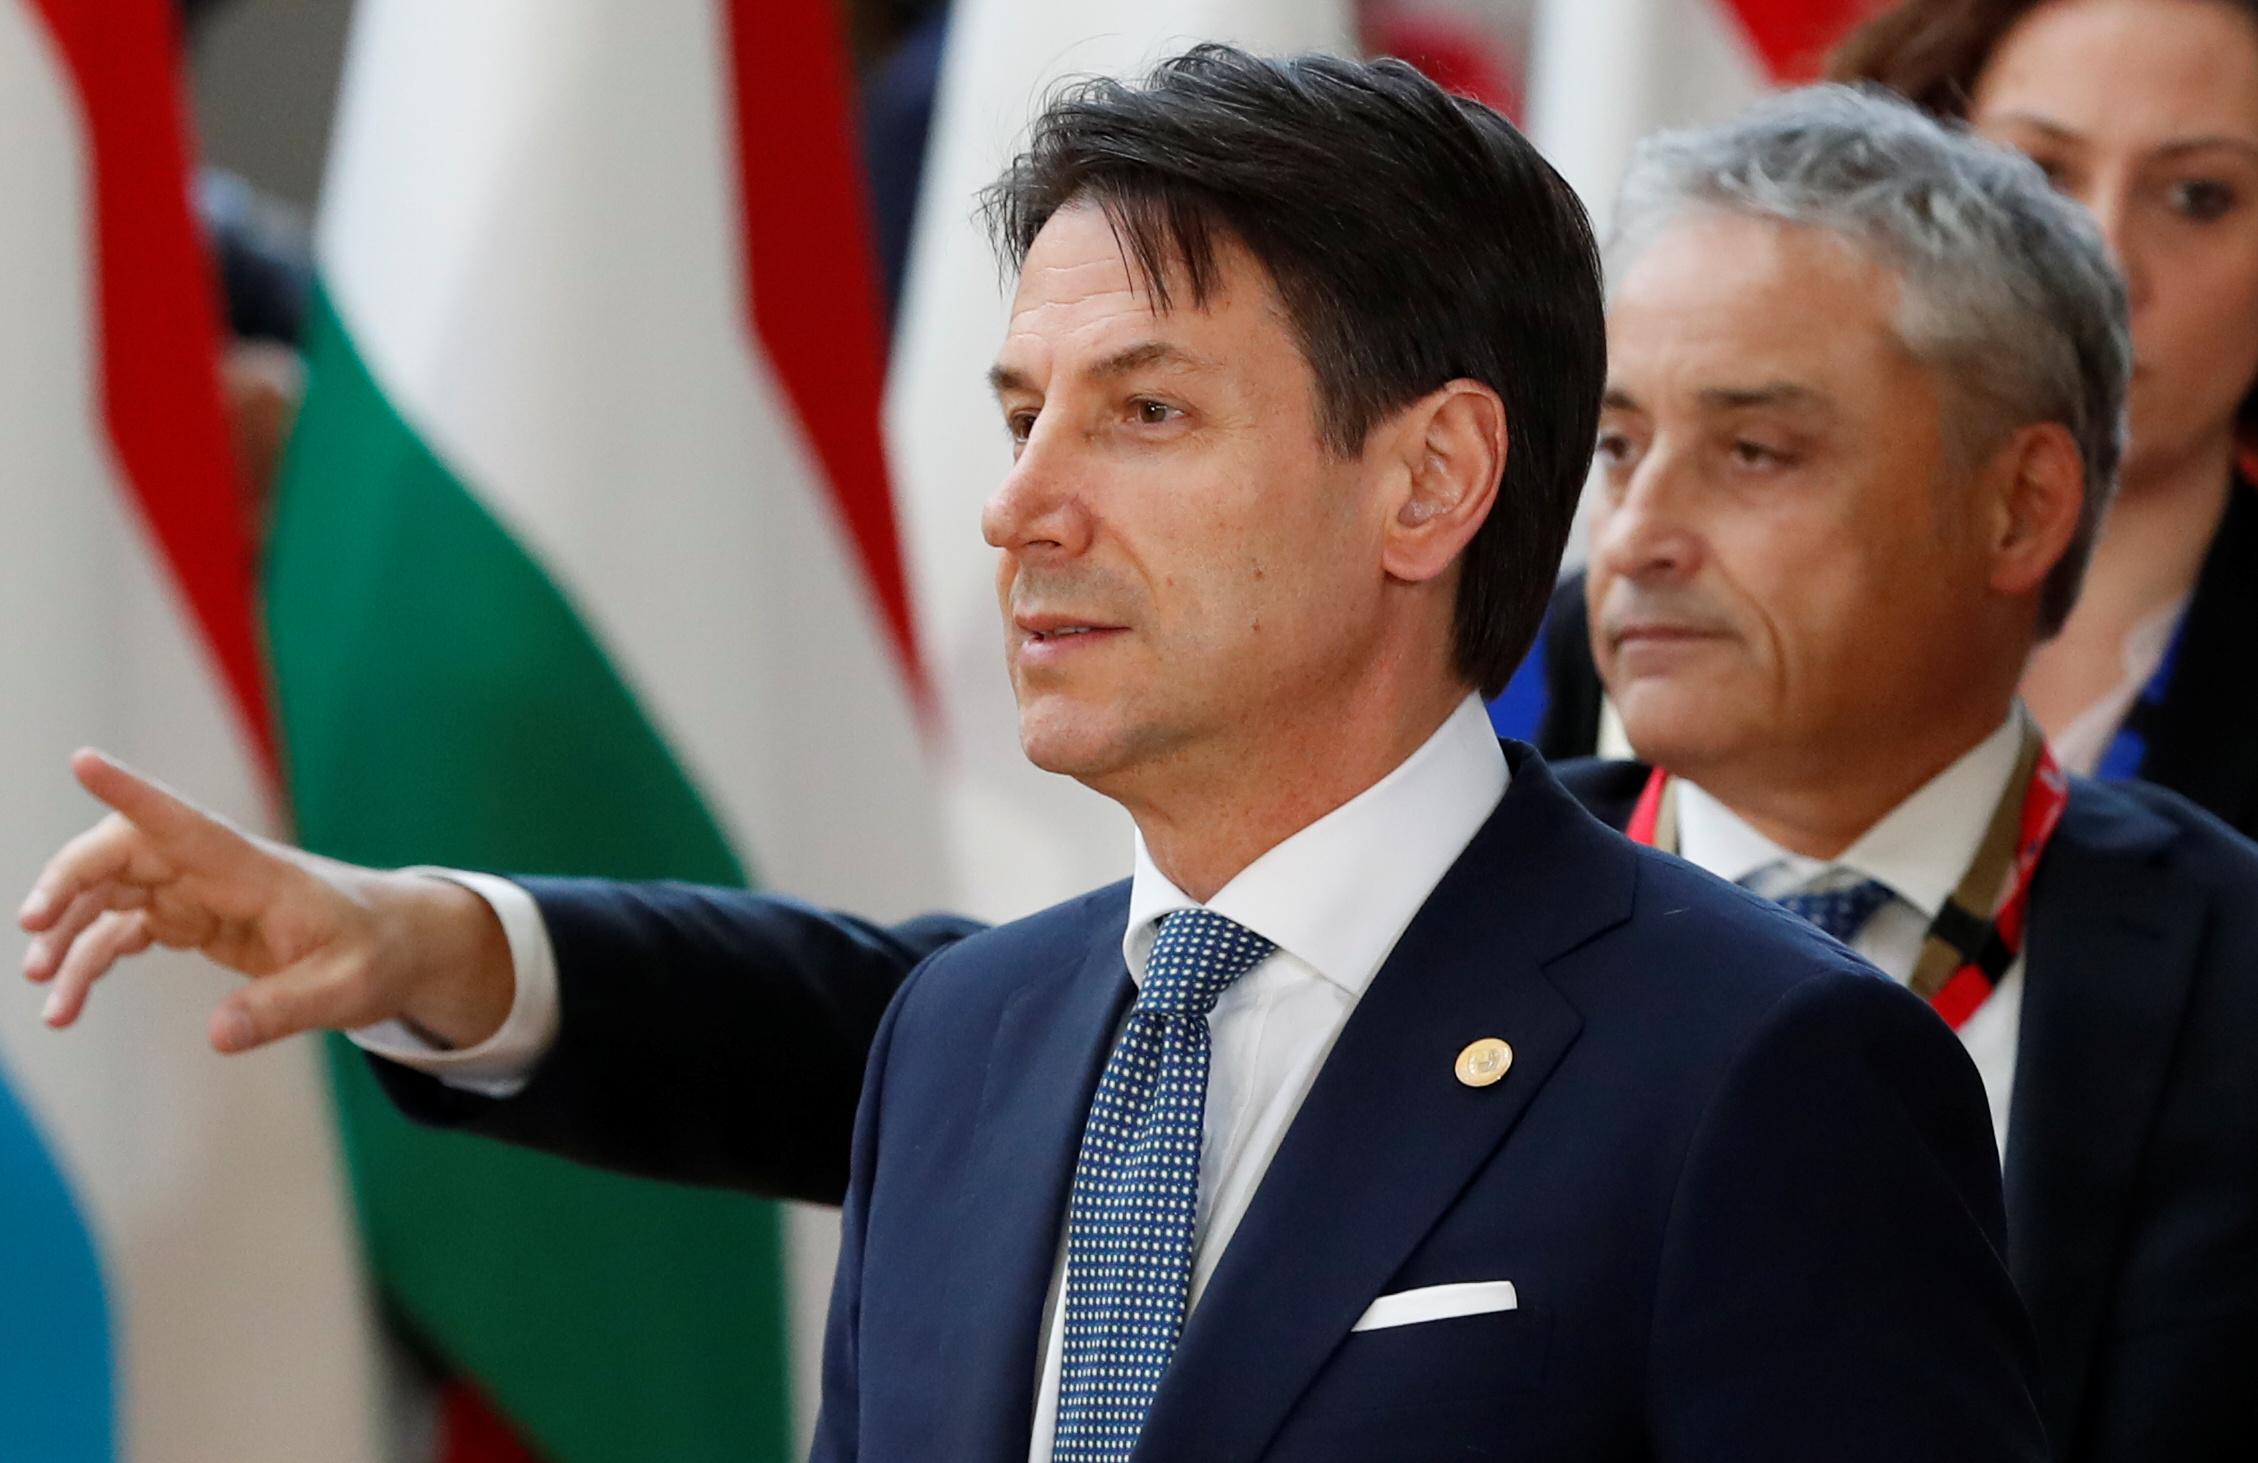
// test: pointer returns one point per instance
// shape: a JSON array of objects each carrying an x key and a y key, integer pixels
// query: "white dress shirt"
[{"x": 1920, "y": 849}]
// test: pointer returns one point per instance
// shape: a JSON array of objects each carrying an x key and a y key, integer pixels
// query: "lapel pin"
[{"x": 1484, "y": 1062}]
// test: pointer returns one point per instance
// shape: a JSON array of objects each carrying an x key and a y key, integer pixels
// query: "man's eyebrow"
[
  {"x": 1771, "y": 393},
  {"x": 1145, "y": 353}
]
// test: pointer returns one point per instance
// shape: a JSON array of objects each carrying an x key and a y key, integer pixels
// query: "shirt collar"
[
  {"x": 1920, "y": 848},
  {"x": 1338, "y": 894}
]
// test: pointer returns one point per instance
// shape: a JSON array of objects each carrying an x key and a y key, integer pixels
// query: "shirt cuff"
[{"x": 501, "y": 1065}]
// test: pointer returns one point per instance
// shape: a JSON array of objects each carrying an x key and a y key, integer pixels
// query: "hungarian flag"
[
  {"x": 1018, "y": 838},
  {"x": 584, "y": 561},
  {"x": 177, "y": 1274}
]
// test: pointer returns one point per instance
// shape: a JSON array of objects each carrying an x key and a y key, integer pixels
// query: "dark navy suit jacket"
[
  {"x": 1745, "y": 1187},
  {"x": 2132, "y": 1178}
]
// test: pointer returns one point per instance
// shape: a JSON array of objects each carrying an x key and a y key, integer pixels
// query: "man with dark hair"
[{"x": 1393, "y": 1108}]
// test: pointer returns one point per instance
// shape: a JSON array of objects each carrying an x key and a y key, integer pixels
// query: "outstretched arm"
[{"x": 706, "y": 1036}]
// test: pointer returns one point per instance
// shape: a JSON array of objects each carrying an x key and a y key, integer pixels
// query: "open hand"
[{"x": 328, "y": 944}]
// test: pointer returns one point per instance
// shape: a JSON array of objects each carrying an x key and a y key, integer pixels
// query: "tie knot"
[
  {"x": 1838, "y": 906},
  {"x": 1195, "y": 957}
]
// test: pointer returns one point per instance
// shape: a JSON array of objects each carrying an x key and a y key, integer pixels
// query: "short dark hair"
[{"x": 1414, "y": 237}]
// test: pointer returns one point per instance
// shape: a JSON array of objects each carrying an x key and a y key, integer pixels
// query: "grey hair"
[{"x": 2008, "y": 289}]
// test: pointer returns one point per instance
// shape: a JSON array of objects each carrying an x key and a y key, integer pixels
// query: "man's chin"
[
  {"x": 1674, "y": 725},
  {"x": 1077, "y": 745}
]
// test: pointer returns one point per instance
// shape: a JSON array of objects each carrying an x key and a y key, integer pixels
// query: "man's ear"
[
  {"x": 2037, "y": 497},
  {"x": 1452, "y": 444}
]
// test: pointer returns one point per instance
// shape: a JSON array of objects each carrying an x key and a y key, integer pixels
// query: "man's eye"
[
  {"x": 1152, "y": 413},
  {"x": 1021, "y": 424},
  {"x": 1755, "y": 454}
]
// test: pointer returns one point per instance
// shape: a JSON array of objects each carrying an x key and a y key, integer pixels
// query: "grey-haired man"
[{"x": 1863, "y": 414}]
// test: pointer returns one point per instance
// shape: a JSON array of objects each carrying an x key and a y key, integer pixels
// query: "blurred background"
[{"x": 541, "y": 435}]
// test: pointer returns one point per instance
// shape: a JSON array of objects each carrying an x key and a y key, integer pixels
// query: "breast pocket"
[{"x": 1454, "y": 1385}]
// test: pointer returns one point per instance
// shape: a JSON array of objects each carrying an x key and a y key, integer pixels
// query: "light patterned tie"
[
  {"x": 1136, "y": 1190},
  {"x": 1841, "y": 909}
]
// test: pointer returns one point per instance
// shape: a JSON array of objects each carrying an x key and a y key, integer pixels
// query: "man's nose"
[
  {"x": 1039, "y": 508},
  {"x": 1646, "y": 527}
]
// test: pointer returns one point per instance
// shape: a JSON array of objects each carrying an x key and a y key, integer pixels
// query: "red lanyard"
[{"x": 1964, "y": 955}]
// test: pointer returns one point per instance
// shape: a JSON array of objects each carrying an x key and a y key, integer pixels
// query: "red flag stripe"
[
  {"x": 159, "y": 326},
  {"x": 1793, "y": 35},
  {"x": 812, "y": 281}
]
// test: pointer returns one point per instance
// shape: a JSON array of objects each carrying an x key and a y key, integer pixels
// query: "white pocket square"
[{"x": 1438, "y": 1303}]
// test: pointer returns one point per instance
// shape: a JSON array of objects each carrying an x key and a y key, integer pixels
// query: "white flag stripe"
[{"x": 1605, "y": 73}]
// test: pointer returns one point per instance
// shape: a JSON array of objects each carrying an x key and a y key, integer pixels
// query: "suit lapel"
[
  {"x": 1388, "y": 1137},
  {"x": 2113, "y": 947},
  {"x": 1050, "y": 1043}
]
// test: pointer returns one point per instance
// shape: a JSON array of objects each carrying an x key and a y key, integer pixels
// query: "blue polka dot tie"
[
  {"x": 1840, "y": 909},
  {"x": 1136, "y": 1190}
]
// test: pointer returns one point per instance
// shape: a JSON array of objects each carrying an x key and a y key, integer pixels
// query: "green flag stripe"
[{"x": 441, "y": 702}]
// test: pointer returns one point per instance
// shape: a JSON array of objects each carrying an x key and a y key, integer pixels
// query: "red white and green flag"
[
  {"x": 179, "y": 1282},
  {"x": 584, "y": 561}
]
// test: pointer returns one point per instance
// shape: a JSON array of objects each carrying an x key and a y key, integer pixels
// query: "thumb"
[{"x": 317, "y": 996}]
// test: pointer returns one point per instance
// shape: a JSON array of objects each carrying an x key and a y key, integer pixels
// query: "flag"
[
  {"x": 180, "y": 1281},
  {"x": 584, "y": 561},
  {"x": 1605, "y": 73},
  {"x": 1018, "y": 838}
]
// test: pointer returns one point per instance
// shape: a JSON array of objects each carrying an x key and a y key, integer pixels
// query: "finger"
[
  {"x": 313, "y": 998},
  {"x": 112, "y": 849},
  {"x": 44, "y": 955},
  {"x": 177, "y": 825},
  {"x": 113, "y": 936}
]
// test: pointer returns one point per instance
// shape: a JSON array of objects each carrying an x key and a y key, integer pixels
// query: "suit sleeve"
[
  {"x": 1832, "y": 1282},
  {"x": 706, "y": 1036}
]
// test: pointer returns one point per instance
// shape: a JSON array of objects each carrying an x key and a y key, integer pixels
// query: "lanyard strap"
[{"x": 1964, "y": 954}]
